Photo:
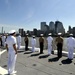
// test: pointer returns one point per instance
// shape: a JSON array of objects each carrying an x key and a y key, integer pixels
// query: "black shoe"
[
  {"x": 70, "y": 59},
  {"x": 42, "y": 53}
]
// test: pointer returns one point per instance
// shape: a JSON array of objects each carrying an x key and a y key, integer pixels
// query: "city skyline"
[{"x": 28, "y": 14}]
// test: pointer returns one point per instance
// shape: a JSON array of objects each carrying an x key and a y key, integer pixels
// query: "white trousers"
[
  {"x": 19, "y": 44},
  {"x": 49, "y": 49},
  {"x": 3, "y": 43},
  {"x": 11, "y": 61},
  {"x": 33, "y": 48},
  {"x": 70, "y": 52}
]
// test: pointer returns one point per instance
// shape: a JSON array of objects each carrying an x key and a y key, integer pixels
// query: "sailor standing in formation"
[
  {"x": 71, "y": 46},
  {"x": 0, "y": 40},
  {"x": 26, "y": 40},
  {"x": 41, "y": 43},
  {"x": 11, "y": 45},
  {"x": 33, "y": 43},
  {"x": 59, "y": 43},
  {"x": 18, "y": 41},
  {"x": 50, "y": 43}
]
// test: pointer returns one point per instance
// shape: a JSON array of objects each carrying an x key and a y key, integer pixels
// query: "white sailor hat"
[
  {"x": 59, "y": 33},
  {"x": 49, "y": 34},
  {"x": 12, "y": 31},
  {"x": 41, "y": 34},
  {"x": 71, "y": 34},
  {"x": 33, "y": 36},
  {"x": 26, "y": 34}
]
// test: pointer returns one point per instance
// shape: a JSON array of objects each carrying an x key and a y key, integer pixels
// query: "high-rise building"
[
  {"x": 74, "y": 31},
  {"x": 59, "y": 27},
  {"x": 44, "y": 26},
  {"x": 2, "y": 29},
  {"x": 51, "y": 26},
  {"x": 22, "y": 32},
  {"x": 70, "y": 30},
  {"x": 35, "y": 31}
]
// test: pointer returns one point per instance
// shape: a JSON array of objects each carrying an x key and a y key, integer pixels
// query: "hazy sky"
[{"x": 28, "y": 14}]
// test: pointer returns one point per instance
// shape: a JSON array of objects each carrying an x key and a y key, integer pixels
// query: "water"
[{"x": 45, "y": 44}]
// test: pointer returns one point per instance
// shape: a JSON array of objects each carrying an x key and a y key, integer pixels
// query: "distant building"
[
  {"x": 22, "y": 32},
  {"x": 51, "y": 26},
  {"x": 70, "y": 30},
  {"x": 35, "y": 31},
  {"x": 39, "y": 32},
  {"x": 2, "y": 29},
  {"x": 74, "y": 31},
  {"x": 59, "y": 27},
  {"x": 30, "y": 33},
  {"x": 44, "y": 26},
  {"x": 69, "y": 27}
]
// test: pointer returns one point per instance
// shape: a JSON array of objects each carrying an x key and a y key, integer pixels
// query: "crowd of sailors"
[
  {"x": 12, "y": 43},
  {"x": 58, "y": 42}
]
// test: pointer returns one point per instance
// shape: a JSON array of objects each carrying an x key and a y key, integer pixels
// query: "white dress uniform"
[
  {"x": 71, "y": 46},
  {"x": 3, "y": 40},
  {"x": 49, "y": 40},
  {"x": 18, "y": 41},
  {"x": 33, "y": 43},
  {"x": 11, "y": 53}
]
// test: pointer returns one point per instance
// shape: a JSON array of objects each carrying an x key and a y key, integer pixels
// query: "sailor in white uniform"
[
  {"x": 12, "y": 51},
  {"x": 71, "y": 46},
  {"x": 18, "y": 41},
  {"x": 33, "y": 43},
  {"x": 49, "y": 43}
]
